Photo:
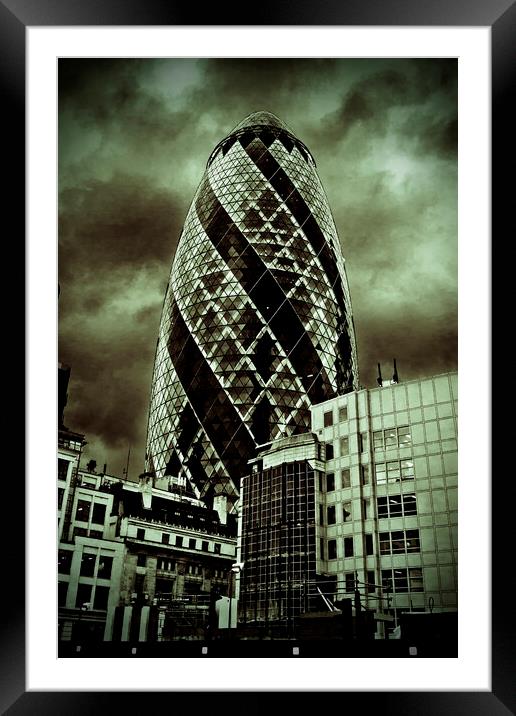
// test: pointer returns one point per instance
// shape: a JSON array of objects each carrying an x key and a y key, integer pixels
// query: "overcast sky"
[{"x": 134, "y": 138}]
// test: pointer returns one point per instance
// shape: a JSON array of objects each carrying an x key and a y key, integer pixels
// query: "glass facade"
[
  {"x": 256, "y": 324},
  {"x": 279, "y": 548}
]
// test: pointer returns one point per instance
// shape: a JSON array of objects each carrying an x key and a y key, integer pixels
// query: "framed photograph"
[{"x": 370, "y": 97}]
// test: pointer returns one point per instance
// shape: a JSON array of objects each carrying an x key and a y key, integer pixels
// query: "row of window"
[
  {"x": 87, "y": 596},
  {"x": 382, "y": 439},
  {"x": 328, "y": 416},
  {"x": 398, "y": 581},
  {"x": 84, "y": 510},
  {"x": 180, "y": 541},
  {"x": 91, "y": 564},
  {"x": 389, "y": 506},
  {"x": 385, "y": 472},
  {"x": 401, "y": 541}
]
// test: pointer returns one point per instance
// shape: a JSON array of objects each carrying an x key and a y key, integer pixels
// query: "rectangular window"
[
  {"x": 60, "y": 495},
  {"x": 371, "y": 587},
  {"x": 369, "y": 544},
  {"x": 412, "y": 540},
  {"x": 83, "y": 511},
  {"x": 390, "y": 438},
  {"x": 83, "y": 595},
  {"x": 397, "y": 542},
  {"x": 348, "y": 546},
  {"x": 385, "y": 543},
  {"x": 192, "y": 543},
  {"x": 140, "y": 534},
  {"x": 88, "y": 564},
  {"x": 362, "y": 442},
  {"x": 141, "y": 560},
  {"x": 346, "y": 478},
  {"x": 179, "y": 541},
  {"x": 62, "y": 469},
  {"x": 349, "y": 582},
  {"x": 321, "y": 515},
  {"x": 80, "y": 532},
  {"x": 396, "y": 505},
  {"x": 101, "y": 598},
  {"x": 99, "y": 513},
  {"x": 321, "y": 547},
  {"x": 62, "y": 591},
  {"x": 416, "y": 580},
  {"x": 344, "y": 446},
  {"x": 407, "y": 470},
  {"x": 332, "y": 549},
  {"x": 328, "y": 419},
  {"x": 165, "y": 538},
  {"x": 330, "y": 482},
  {"x": 64, "y": 561},
  {"x": 217, "y": 548},
  {"x": 97, "y": 534},
  {"x": 404, "y": 437},
  {"x": 364, "y": 474},
  {"x": 393, "y": 472},
  {"x": 343, "y": 414},
  {"x": 402, "y": 580},
  {"x": 205, "y": 546},
  {"x": 364, "y": 510},
  {"x": 321, "y": 482},
  {"x": 105, "y": 566},
  {"x": 378, "y": 440},
  {"x": 331, "y": 514},
  {"x": 346, "y": 512},
  {"x": 329, "y": 451},
  {"x": 381, "y": 475}
]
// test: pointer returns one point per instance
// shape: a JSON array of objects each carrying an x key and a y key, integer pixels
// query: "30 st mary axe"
[{"x": 256, "y": 323}]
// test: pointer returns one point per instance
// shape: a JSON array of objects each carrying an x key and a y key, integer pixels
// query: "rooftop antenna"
[
  {"x": 379, "y": 379},
  {"x": 395, "y": 378},
  {"x": 126, "y": 470}
]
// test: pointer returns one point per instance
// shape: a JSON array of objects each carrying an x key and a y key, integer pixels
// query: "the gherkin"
[{"x": 256, "y": 323}]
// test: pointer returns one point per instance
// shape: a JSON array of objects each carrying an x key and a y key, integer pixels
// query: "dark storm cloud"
[{"x": 134, "y": 138}]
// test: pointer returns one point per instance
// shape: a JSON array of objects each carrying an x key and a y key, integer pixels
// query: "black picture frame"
[{"x": 500, "y": 16}]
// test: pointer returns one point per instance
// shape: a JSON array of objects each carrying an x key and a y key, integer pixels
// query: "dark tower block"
[{"x": 257, "y": 322}]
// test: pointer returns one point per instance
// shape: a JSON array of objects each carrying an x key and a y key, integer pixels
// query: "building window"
[
  {"x": 321, "y": 547},
  {"x": 371, "y": 586},
  {"x": 167, "y": 564},
  {"x": 217, "y": 548},
  {"x": 330, "y": 482},
  {"x": 62, "y": 469},
  {"x": 362, "y": 442},
  {"x": 329, "y": 451},
  {"x": 80, "y": 532},
  {"x": 165, "y": 538},
  {"x": 101, "y": 598},
  {"x": 348, "y": 546},
  {"x": 83, "y": 511},
  {"x": 392, "y": 437},
  {"x": 60, "y": 495},
  {"x": 83, "y": 595},
  {"x": 412, "y": 541},
  {"x": 364, "y": 510},
  {"x": 399, "y": 542},
  {"x": 344, "y": 446},
  {"x": 349, "y": 582},
  {"x": 140, "y": 534},
  {"x": 99, "y": 513},
  {"x": 328, "y": 419},
  {"x": 396, "y": 505},
  {"x": 394, "y": 471},
  {"x": 343, "y": 414},
  {"x": 332, "y": 549},
  {"x": 321, "y": 515},
  {"x": 369, "y": 544},
  {"x": 205, "y": 546},
  {"x": 331, "y": 514},
  {"x": 105, "y": 566},
  {"x": 179, "y": 541},
  {"x": 88, "y": 564},
  {"x": 62, "y": 592},
  {"x": 141, "y": 560},
  {"x": 192, "y": 543},
  {"x": 364, "y": 474},
  {"x": 404, "y": 437},
  {"x": 64, "y": 561},
  {"x": 321, "y": 482},
  {"x": 346, "y": 478},
  {"x": 402, "y": 580},
  {"x": 97, "y": 534},
  {"x": 346, "y": 512}
]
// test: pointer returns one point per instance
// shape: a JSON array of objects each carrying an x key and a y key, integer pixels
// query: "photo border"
[{"x": 500, "y": 15}]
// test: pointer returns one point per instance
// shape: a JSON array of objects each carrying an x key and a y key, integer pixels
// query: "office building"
[{"x": 256, "y": 324}]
